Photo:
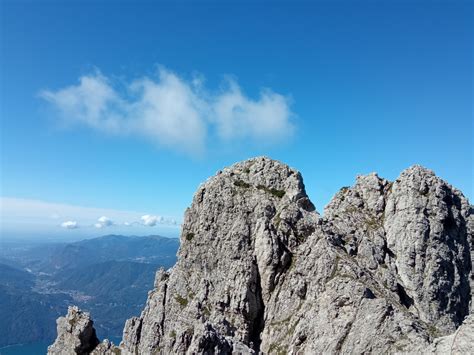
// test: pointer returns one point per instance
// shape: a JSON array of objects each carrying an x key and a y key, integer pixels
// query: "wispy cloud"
[{"x": 172, "y": 111}]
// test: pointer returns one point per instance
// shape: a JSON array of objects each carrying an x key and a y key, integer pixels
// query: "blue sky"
[{"x": 113, "y": 107}]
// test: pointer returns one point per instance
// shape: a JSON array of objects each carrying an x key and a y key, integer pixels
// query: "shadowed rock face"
[{"x": 386, "y": 269}]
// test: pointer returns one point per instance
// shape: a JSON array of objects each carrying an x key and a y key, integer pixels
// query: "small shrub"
[
  {"x": 277, "y": 193},
  {"x": 277, "y": 219},
  {"x": 278, "y": 349},
  {"x": 351, "y": 209},
  {"x": 372, "y": 223},
  {"x": 247, "y": 170},
  {"x": 183, "y": 302},
  {"x": 206, "y": 311},
  {"x": 189, "y": 236},
  {"x": 274, "y": 192},
  {"x": 240, "y": 183},
  {"x": 173, "y": 334}
]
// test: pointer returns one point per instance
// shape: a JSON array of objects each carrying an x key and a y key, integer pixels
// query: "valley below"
[{"x": 109, "y": 276}]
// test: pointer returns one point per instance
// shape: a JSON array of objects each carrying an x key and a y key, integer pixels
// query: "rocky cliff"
[{"x": 386, "y": 269}]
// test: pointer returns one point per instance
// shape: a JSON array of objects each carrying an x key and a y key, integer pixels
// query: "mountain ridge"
[{"x": 386, "y": 269}]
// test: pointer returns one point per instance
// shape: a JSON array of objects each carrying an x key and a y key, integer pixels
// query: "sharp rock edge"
[{"x": 387, "y": 269}]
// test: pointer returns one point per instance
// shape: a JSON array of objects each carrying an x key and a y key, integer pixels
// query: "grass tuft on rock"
[
  {"x": 183, "y": 302},
  {"x": 274, "y": 192},
  {"x": 240, "y": 183}
]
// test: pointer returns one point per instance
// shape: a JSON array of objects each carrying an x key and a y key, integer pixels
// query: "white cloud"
[
  {"x": 151, "y": 221},
  {"x": 103, "y": 222},
  {"x": 70, "y": 225},
  {"x": 91, "y": 102},
  {"x": 172, "y": 111},
  {"x": 238, "y": 116},
  {"x": 25, "y": 212}
]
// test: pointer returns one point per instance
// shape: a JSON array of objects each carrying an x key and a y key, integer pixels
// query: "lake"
[{"x": 38, "y": 348}]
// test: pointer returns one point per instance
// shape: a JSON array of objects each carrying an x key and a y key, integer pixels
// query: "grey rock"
[
  {"x": 385, "y": 270},
  {"x": 76, "y": 334},
  {"x": 426, "y": 227},
  {"x": 238, "y": 240},
  {"x": 461, "y": 342}
]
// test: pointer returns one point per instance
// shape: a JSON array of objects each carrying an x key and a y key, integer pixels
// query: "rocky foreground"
[{"x": 387, "y": 269}]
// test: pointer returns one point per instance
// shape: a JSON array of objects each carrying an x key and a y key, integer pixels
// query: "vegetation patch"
[
  {"x": 173, "y": 334},
  {"x": 292, "y": 328},
  {"x": 300, "y": 237},
  {"x": 240, "y": 183},
  {"x": 206, "y": 311},
  {"x": 279, "y": 349},
  {"x": 277, "y": 219},
  {"x": 282, "y": 322},
  {"x": 183, "y": 302},
  {"x": 274, "y": 192},
  {"x": 373, "y": 223},
  {"x": 351, "y": 209},
  {"x": 246, "y": 170},
  {"x": 189, "y": 236},
  {"x": 433, "y": 330}
]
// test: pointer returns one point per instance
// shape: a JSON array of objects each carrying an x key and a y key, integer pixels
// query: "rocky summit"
[{"x": 385, "y": 269}]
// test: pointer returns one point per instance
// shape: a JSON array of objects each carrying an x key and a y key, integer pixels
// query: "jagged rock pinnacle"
[
  {"x": 76, "y": 334},
  {"x": 259, "y": 270}
]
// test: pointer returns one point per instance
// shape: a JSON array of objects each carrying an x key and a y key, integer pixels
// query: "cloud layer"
[
  {"x": 25, "y": 211},
  {"x": 173, "y": 112}
]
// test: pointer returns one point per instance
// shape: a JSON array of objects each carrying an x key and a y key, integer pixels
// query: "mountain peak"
[{"x": 387, "y": 268}]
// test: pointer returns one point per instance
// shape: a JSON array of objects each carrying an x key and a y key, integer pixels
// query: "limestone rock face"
[
  {"x": 459, "y": 343},
  {"x": 237, "y": 242},
  {"x": 425, "y": 223},
  {"x": 385, "y": 270},
  {"x": 76, "y": 334}
]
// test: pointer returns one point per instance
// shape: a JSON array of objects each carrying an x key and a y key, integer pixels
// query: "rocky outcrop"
[
  {"x": 385, "y": 270},
  {"x": 460, "y": 342},
  {"x": 76, "y": 334},
  {"x": 237, "y": 242}
]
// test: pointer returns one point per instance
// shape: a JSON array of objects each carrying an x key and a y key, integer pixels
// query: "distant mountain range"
[
  {"x": 151, "y": 249},
  {"x": 109, "y": 276}
]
